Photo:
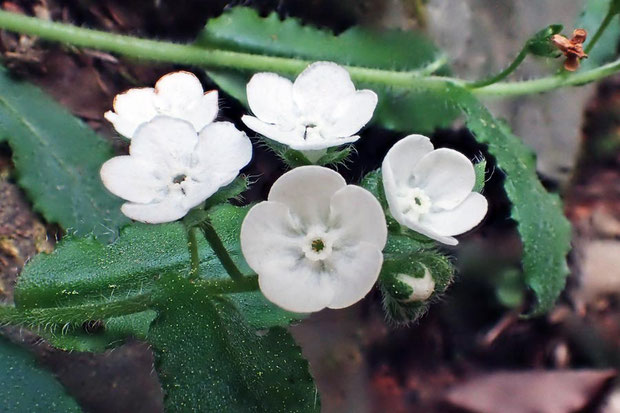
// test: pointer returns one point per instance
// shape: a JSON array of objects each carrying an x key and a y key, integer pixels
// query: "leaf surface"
[{"x": 57, "y": 158}]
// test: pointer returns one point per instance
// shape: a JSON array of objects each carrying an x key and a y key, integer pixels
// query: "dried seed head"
[{"x": 571, "y": 48}]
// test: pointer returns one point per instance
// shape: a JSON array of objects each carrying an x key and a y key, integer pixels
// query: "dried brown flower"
[{"x": 572, "y": 48}]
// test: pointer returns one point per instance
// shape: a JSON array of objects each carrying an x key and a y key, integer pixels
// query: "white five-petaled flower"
[
  {"x": 171, "y": 168},
  {"x": 430, "y": 191},
  {"x": 316, "y": 242},
  {"x": 319, "y": 110},
  {"x": 178, "y": 95}
]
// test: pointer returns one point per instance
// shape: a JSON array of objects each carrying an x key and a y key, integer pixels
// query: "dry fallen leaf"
[{"x": 561, "y": 391}]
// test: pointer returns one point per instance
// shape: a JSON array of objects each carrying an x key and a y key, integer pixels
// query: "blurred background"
[{"x": 471, "y": 352}]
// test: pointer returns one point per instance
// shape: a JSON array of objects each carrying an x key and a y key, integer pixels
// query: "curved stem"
[
  {"x": 75, "y": 314},
  {"x": 608, "y": 18},
  {"x": 214, "y": 58},
  {"x": 221, "y": 252},
  {"x": 546, "y": 84},
  {"x": 503, "y": 74}
]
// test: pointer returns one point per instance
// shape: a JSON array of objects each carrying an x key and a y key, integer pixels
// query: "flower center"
[
  {"x": 317, "y": 245},
  {"x": 415, "y": 203},
  {"x": 179, "y": 178}
]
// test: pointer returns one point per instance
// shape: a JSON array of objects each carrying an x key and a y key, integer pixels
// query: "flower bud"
[{"x": 409, "y": 284}]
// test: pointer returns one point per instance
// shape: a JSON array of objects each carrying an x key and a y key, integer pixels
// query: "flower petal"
[
  {"x": 320, "y": 87},
  {"x": 222, "y": 149},
  {"x": 197, "y": 192},
  {"x": 400, "y": 160},
  {"x": 357, "y": 216},
  {"x": 270, "y": 98},
  {"x": 460, "y": 219},
  {"x": 352, "y": 113},
  {"x": 269, "y": 241},
  {"x": 132, "y": 179},
  {"x": 133, "y": 107},
  {"x": 202, "y": 111},
  {"x": 275, "y": 132},
  {"x": 176, "y": 89},
  {"x": 356, "y": 271},
  {"x": 168, "y": 210},
  {"x": 166, "y": 141},
  {"x": 446, "y": 176},
  {"x": 267, "y": 232},
  {"x": 307, "y": 191}
]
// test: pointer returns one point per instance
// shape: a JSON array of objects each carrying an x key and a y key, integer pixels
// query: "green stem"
[
  {"x": 504, "y": 73},
  {"x": 76, "y": 314},
  {"x": 192, "y": 244},
  {"x": 546, "y": 84},
  {"x": 214, "y": 58},
  {"x": 608, "y": 18},
  {"x": 221, "y": 252}
]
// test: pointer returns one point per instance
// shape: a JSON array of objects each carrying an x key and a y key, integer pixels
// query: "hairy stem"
[
  {"x": 214, "y": 58},
  {"x": 75, "y": 314},
  {"x": 221, "y": 252}
]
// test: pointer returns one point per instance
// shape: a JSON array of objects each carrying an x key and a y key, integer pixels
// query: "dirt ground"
[{"x": 470, "y": 353}]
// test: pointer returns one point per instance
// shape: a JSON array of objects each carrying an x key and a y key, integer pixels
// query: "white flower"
[
  {"x": 178, "y": 95},
  {"x": 316, "y": 242},
  {"x": 430, "y": 191},
  {"x": 321, "y": 109},
  {"x": 171, "y": 168},
  {"x": 422, "y": 287}
]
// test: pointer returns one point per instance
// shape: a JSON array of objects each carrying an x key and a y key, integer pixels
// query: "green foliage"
[
  {"x": 545, "y": 232},
  {"x": 24, "y": 387},
  {"x": 84, "y": 271},
  {"x": 607, "y": 46},
  {"x": 480, "y": 169},
  {"x": 540, "y": 44},
  {"x": 210, "y": 360},
  {"x": 242, "y": 29},
  {"x": 57, "y": 158}
]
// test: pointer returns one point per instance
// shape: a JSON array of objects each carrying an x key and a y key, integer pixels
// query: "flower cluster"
[{"x": 316, "y": 242}]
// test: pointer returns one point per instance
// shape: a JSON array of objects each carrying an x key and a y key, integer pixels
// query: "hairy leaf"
[
  {"x": 545, "y": 232},
  {"x": 210, "y": 360},
  {"x": 57, "y": 158},
  {"x": 24, "y": 387},
  {"x": 242, "y": 29},
  {"x": 83, "y": 270}
]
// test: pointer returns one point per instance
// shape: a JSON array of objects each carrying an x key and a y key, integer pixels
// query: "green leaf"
[
  {"x": 480, "y": 169},
  {"x": 540, "y": 44},
  {"x": 606, "y": 48},
  {"x": 83, "y": 270},
  {"x": 57, "y": 158},
  {"x": 24, "y": 387},
  {"x": 545, "y": 232},
  {"x": 242, "y": 29},
  {"x": 210, "y": 360}
]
